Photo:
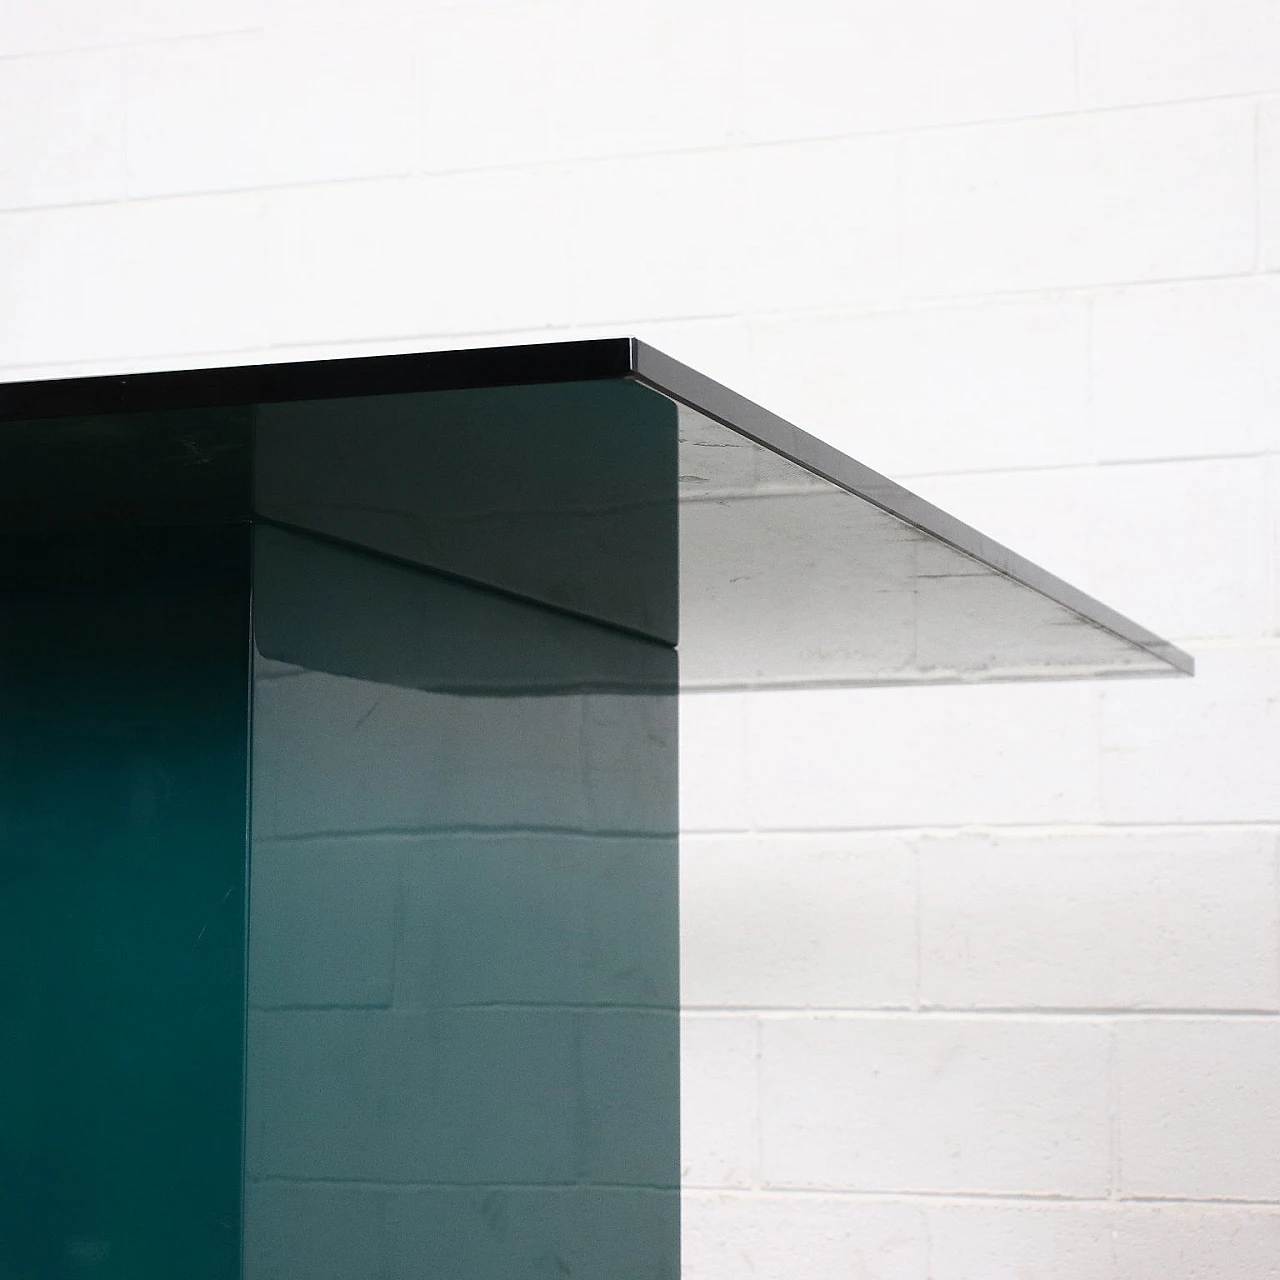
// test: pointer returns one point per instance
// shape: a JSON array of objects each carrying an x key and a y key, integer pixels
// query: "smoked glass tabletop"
[{"x": 602, "y": 478}]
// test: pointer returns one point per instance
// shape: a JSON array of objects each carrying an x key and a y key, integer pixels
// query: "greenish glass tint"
[
  {"x": 107, "y": 470},
  {"x": 463, "y": 1031},
  {"x": 451, "y": 731},
  {"x": 564, "y": 493},
  {"x": 123, "y": 767}
]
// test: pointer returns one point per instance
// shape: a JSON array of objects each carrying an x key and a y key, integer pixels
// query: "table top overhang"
[{"x": 798, "y": 565}]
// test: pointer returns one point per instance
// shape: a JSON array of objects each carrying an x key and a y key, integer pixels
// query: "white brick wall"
[
  {"x": 1114, "y": 919},
  {"x": 983, "y": 983}
]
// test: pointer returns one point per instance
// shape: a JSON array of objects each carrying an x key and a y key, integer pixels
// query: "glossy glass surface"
[
  {"x": 550, "y": 472},
  {"x": 463, "y": 1036},
  {"x": 460, "y": 1019},
  {"x": 787, "y": 579},
  {"x": 563, "y": 494},
  {"x": 123, "y": 768},
  {"x": 92, "y": 471}
]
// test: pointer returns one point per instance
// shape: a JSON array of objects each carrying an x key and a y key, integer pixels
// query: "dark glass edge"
[
  {"x": 660, "y": 373},
  {"x": 467, "y": 369},
  {"x": 534, "y": 363},
  {"x": 251, "y": 654}
]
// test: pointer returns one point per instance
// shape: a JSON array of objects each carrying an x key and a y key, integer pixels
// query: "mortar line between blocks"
[
  {"x": 1012, "y": 1198},
  {"x": 1047, "y": 830},
  {"x": 1004, "y": 1016}
]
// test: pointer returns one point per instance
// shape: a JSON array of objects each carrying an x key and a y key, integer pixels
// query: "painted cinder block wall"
[{"x": 981, "y": 982}]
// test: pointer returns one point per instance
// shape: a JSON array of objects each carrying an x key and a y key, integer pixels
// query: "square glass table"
[{"x": 338, "y": 818}]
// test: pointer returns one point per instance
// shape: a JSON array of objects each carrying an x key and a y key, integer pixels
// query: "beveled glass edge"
[
  {"x": 583, "y": 360},
  {"x": 661, "y": 373}
]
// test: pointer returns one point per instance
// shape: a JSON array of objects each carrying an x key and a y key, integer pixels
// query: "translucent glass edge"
[{"x": 668, "y": 377}]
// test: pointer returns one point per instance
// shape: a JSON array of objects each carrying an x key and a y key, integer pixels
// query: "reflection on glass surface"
[
  {"x": 463, "y": 1035},
  {"x": 123, "y": 768},
  {"x": 550, "y": 472},
  {"x": 788, "y": 580},
  {"x": 563, "y": 493}
]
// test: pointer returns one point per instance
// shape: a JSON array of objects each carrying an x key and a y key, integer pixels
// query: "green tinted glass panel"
[
  {"x": 178, "y": 467},
  {"x": 460, "y": 1015},
  {"x": 564, "y": 494},
  {"x": 123, "y": 766},
  {"x": 463, "y": 1031}
]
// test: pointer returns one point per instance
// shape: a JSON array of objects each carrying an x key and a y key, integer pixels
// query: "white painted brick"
[
  {"x": 331, "y": 14},
  {"x": 456, "y": 255},
  {"x": 1108, "y": 197},
  {"x": 673, "y": 248},
  {"x": 1184, "y": 547},
  {"x": 656, "y": 238},
  {"x": 719, "y": 1109},
  {"x": 494, "y": 85},
  {"x": 824, "y": 67},
  {"x": 1177, "y": 920},
  {"x": 788, "y": 922},
  {"x": 818, "y": 225},
  {"x": 37, "y": 25},
  {"x": 706, "y": 234},
  {"x": 339, "y": 14},
  {"x": 1020, "y": 1241},
  {"x": 113, "y": 281},
  {"x": 713, "y": 762},
  {"x": 778, "y": 1237},
  {"x": 916, "y": 757},
  {"x": 1202, "y": 750},
  {"x": 1017, "y": 1240},
  {"x": 1163, "y": 50},
  {"x": 1269, "y": 184},
  {"x": 1196, "y": 1242},
  {"x": 63, "y": 121},
  {"x": 937, "y": 1104},
  {"x": 1186, "y": 371},
  {"x": 940, "y": 389},
  {"x": 1199, "y": 1109},
  {"x": 518, "y": 83},
  {"x": 266, "y": 109}
]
